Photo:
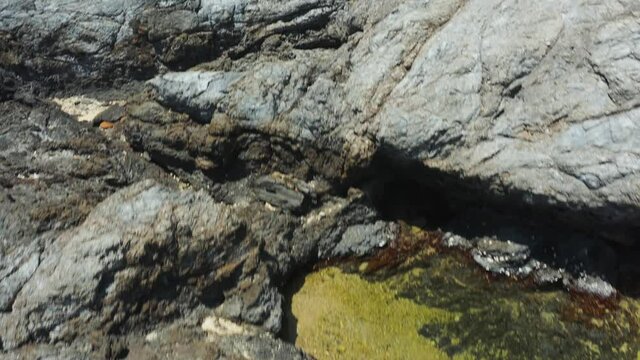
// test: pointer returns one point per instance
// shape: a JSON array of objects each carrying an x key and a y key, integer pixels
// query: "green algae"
[
  {"x": 437, "y": 306},
  {"x": 340, "y": 314}
]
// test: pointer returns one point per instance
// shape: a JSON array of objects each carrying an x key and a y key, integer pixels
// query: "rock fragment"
[
  {"x": 284, "y": 191},
  {"x": 504, "y": 257}
]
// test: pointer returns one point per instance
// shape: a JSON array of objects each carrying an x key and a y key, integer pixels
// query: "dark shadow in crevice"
[
  {"x": 289, "y": 331},
  {"x": 580, "y": 241}
]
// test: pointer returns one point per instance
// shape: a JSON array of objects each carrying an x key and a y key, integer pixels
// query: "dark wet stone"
[
  {"x": 362, "y": 240},
  {"x": 504, "y": 257},
  {"x": 590, "y": 285},
  {"x": 456, "y": 241},
  {"x": 9, "y": 84},
  {"x": 548, "y": 276}
]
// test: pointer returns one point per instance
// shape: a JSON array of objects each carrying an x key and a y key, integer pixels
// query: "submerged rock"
[
  {"x": 380, "y": 325},
  {"x": 504, "y": 257},
  {"x": 528, "y": 260},
  {"x": 548, "y": 276},
  {"x": 451, "y": 240},
  {"x": 590, "y": 285}
]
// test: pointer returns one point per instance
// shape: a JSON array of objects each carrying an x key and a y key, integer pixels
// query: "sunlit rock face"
[
  {"x": 161, "y": 160},
  {"x": 539, "y": 111}
]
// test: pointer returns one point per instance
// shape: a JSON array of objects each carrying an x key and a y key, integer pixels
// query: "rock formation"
[{"x": 237, "y": 131}]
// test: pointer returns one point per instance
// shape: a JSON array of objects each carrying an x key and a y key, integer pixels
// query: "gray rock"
[
  {"x": 542, "y": 118},
  {"x": 194, "y": 93},
  {"x": 535, "y": 114},
  {"x": 54, "y": 169},
  {"x": 140, "y": 246},
  {"x": 116, "y": 39},
  {"x": 284, "y": 192},
  {"x": 254, "y": 301},
  {"x": 98, "y": 263},
  {"x": 149, "y": 252},
  {"x": 359, "y": 225},
  {"x": 262, "y": 346},
  {"x": 452, "y": 240},
  {"x": 504, "y": 257},
  {"x": 13, "y": 278},
  {"x": 191, "y": 337},
  {"x": 548, "y": 276},
  {"x": 531, "y": 116},
  {"x": 361, "y": 240},
  {"x": 590, "y": 285}
]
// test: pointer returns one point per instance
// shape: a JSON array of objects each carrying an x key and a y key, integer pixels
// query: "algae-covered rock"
[
  {"x": 442, "y": 308},
  {"x": 342, "y": 316}
]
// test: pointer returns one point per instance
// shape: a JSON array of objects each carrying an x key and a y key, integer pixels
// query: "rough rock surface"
[
  {"x": 196, "y": 336},
  {"x": 543, "y": 117},
  {"x": 258, "y": 117},
  {"x": 53, "y": 170},
  {"x": 150, "y": 253},
  {"x": 61, "y": 39}
]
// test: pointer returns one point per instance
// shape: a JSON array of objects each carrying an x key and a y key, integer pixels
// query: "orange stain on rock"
[{"x": 106, "y": 125}]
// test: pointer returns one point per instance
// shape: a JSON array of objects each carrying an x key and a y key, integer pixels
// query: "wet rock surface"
[
  {"x": 167, "y": 162},
  {"x": 504, "y": 258},
  {"x": 514, "y": 260},
  {"x": 436, "y": 307}
]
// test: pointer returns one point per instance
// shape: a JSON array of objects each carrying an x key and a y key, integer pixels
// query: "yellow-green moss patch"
[
  {"x": 437, "y": 307},
  {"x": 342, "y": 316}
]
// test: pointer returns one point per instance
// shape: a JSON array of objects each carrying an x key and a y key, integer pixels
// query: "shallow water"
[{"x": 438, "y": 306}]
